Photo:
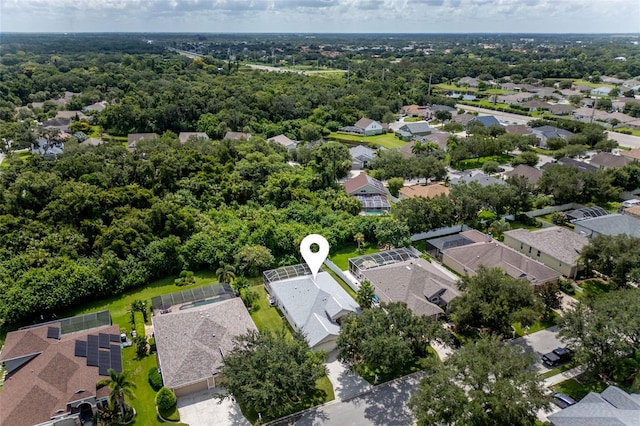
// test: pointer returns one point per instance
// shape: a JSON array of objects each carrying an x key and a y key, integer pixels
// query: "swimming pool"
[{"x": 201, "y": 303}]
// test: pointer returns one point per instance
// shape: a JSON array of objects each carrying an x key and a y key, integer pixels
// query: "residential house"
[
  {"x": 98, "y": 107},
  {"x": 52, "y": 371},
  {"x": 518, "y": 129},
  {"x": 361, "y": 157},
  {"x": 613, "y": 224},
  {"x": 486, "y": 120},
  {"x": 369, "y": 127},
  {"x": 582, "y": 88},
  {"x": 426, "y": 191},
  {"x": 61, "y": 124},
  {"x": 237, "y": 136},
  {"x": 373, "y": 195},
  {"x": 601, "y": 91},
  {"x": 613, "y": 406},
  {"x": 544, "y": 133},
  {"x": 284, "y": 141},
  {"x": 192, "y": 341},
  {"x": 312, "y": 306},
  {"x": 424, "y": 288},
  {"x": 436, "y": 246},
  {"x": 532, "y": 174},
  {"x": 467, "y": 259},
  {"x": 463, "y": 119},
  {"x": 572, "y": 162},
  {"x": 134, "y": 138},
  {"x": 468, "y": 81},
  {"x": 514, "y": 98},
  {"x": 556, "y": 247},
  {"x": 587, "y": 114},
  {"x": 480, "y": 178},
  {"x": 72, "y": 115},
  {"x": 611, "y": 80},
  {"x": 633, "y": 211},
  {"x": 416, "y": 111},
  {"x": 436, "y": 108},
  {"x": 439, "y": 138},
  {"x": 417, "y": 129},
  {"x": 92, "y": 142},
  {"x": 48, "y": 149},
  {"x": 535, "y": 105},
  {"x": 633, "y": 155},
  {"x": 560, "y": 109},
  {"x": 185, "y": 136},
  {"x": 606, "y": 160}
]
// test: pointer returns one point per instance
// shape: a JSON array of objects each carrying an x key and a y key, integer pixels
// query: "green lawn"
[
  {"x": 556, "y": 371},
  {"x": 634, "y": 132},
  {"x": 578, "y": 390},
  {"x": 118, "y": 305},
  {"x": 590, "y": 84},
  {"x": 264, "y": 316},
  {"x": 592, "y": 288},
  {"x": 412, "y": 119},
  {"x": 387, "y": 140},
  {"x": 341, "y": 257},
  {"x": 22, "y": 155},
  {"x": 476, "y": 163},
  {"x": 540, "y": 324}
]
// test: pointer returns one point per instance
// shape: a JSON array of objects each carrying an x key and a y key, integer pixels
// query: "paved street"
[
  {"x": 540, "y": 343},
  {"x": 504, "y": 117},
  {"x": 385, "y": 405},
  {"x": 628, "y": 141}
]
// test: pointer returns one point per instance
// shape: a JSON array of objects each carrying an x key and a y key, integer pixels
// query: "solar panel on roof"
[
  {"x": 81, "y": 348},
  {"x": 104, "y": 359},
  {"x": 114, "y": 338},
  {"x": 103, "y": 340},
  {"x": 92, "y": 359},
  {"x": 53, "y": 333},
  {"x": 103, "y": 370},
  {"x": 116, "y": 358}
]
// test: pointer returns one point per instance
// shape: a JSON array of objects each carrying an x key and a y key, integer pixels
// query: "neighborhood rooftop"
[
  {"x": 612, "y": 407},
  {"x": 559, "y": 242}
]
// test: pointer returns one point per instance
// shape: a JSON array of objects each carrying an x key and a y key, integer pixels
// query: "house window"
[
  {"x": 529, "y": 250},
  {"x": 521, "y": 246},
  {"x": 538, "y": 253}
]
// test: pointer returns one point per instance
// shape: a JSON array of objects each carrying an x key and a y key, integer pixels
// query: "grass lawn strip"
[
  {"x": 540, "y": 324},
  {"x": 387, "y": 140},
  {"x": 341, "y": 257},
  {"x": 577, "y": 390}
]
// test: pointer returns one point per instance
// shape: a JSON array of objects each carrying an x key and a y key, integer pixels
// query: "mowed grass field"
[{"x": 387, "y": 140}]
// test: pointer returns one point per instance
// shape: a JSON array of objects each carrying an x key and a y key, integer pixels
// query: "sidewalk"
[{"x": 564, "y": 376}]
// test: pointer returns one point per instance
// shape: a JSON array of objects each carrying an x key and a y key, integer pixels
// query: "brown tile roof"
[
  {"x": 190, "y": 341},
  {"x": 633, "y": 211},
  {"x": 463, "y": 118},
  {"x": 363, "y": 122},
  {"x": 34, "y": 393},
  {"x": 413, "y": 282},
  {"x": 353, "y": 185},
  {"x": 236, "y": 136},
  {"x": 493, "y": 254},
  {"x": 532, "y": 174},
  {"x": 608, "y": 160},
  {"x": 633, "y": 154},
  {"x": 184, "y": 136},
  {"x": 518, "y": 129},
  {"x": 428, "y": 191},
  {"x": 415, "y": 110}
]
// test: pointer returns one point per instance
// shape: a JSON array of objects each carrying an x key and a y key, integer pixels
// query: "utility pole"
[
  {"x": 429, "y": 91},
  {"x": 593, "y": 112}
]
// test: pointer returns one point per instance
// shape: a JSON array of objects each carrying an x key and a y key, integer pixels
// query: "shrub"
[
  {"x": 165, "y": 399},
  {"x": 141, "y": 346},
  {"x": 155, "y": 379}
]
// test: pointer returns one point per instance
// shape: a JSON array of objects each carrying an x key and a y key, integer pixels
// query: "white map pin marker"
[{"x": 314, "y": 260}]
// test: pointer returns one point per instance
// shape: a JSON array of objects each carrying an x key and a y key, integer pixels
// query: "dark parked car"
[
  {"x": 562, "y": 400},
  {"x": 557, "y": 356}
]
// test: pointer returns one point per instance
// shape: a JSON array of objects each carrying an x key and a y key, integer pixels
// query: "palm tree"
[
  {"x": 359, "y": 238},
  {"x": 226, "y": 273},
  {"x": 366, "y": 295},
  {"x": 121, "y": 390},
  {"x": 418, "y": 148}
]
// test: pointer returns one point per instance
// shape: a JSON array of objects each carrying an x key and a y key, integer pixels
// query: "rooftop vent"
[{"x": 80, "y": 391}]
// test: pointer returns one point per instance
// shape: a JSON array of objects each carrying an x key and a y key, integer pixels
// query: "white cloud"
[{"x": 322, "y": 15}]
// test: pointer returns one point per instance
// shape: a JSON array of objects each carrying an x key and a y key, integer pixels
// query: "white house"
[{"x": 369, "y": 127}]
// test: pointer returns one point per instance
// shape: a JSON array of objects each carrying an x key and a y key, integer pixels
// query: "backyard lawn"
[
  {"x": 341, "y": 257},
  {"x": 476, "y": 163},
  {"x": 387, "y": 140},
  {"x": 592, "y": 288},
  {"x": 578, "y": 390},
  {"x": 540, "y": 324}
]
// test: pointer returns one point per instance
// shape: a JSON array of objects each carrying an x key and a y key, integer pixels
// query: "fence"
[
  {"x": 340, "y": 274},
  {"x": 553, "y": 209},
  {"x": 440, "y": 232}
]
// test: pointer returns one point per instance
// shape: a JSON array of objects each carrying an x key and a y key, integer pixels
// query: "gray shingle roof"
[
  {"x": 612, "y": 407},
  {"x": 418, "y": 128},
  {"x": 413, "y": 282},
  {"x": 191, "y": 342},
  {"x": 481, "y": 178},
  {"x": 560, "y": 243},
  {"x": 613, "y": 224},
  {"x": 314, "y": 306}
]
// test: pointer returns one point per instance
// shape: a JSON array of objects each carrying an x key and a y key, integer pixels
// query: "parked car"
[
  {"x": 562, "y": 400},
  {"x": 557, "y": 356}
]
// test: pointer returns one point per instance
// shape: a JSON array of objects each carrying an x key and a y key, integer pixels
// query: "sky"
[{"x": 322, "y": 16}]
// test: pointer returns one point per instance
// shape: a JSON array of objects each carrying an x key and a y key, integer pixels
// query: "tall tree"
[
  {"x": 486, "y": 383},
  {"x": 392, "y": 232},
  {"x": 493, "y": 300},
  {"x": 121, "y": 390},
  {"x": 271, "y": 373},
  {"x": 617, "y": 257},
  {"x": 385, "y": 340},
  {"x": 365, "y": 295},
  {"x": 226, "y": 273},
  {"x": 332, "y": 161}
]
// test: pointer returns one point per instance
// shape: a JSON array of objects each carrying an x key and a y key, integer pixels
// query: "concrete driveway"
[
  {"x": 203, "y": 409},
  {"x": 540, "y": 343},
  {"x": 345, "y": 384}
]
